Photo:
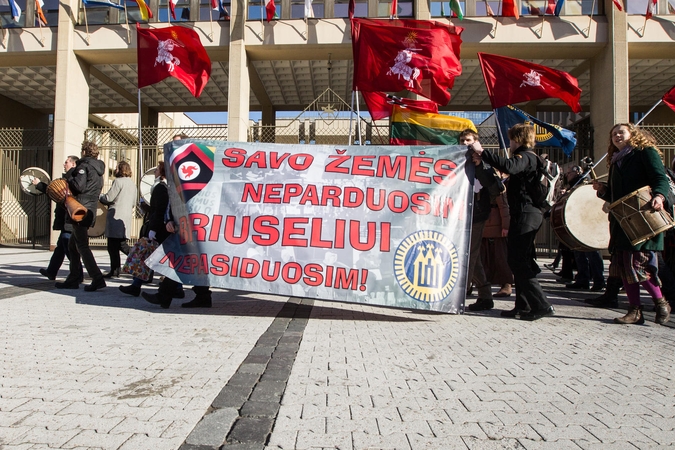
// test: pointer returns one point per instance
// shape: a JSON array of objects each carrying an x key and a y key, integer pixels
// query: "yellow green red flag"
[{"x": 414, "y": 128}]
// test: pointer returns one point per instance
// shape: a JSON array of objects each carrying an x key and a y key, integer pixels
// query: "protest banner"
[{"x": 367, "y": 224}]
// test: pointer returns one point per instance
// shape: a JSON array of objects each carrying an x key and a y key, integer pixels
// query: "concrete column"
[
  {"x": 71, "y": 102},
  {"x": 239, "y": 83},
  {"x": 609, "y": 82},
  {"x": 422, "y": 10},
  {"x": 268, "y": 119}
]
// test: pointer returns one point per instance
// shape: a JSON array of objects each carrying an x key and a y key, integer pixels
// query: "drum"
[
  {"x": 147, "y": 183},
  {"x": 99, "y": 227},
  {"x": 580, "y": 220},
  {"x": 26, "y": 180},
  {"x": 637, "y": 218}
]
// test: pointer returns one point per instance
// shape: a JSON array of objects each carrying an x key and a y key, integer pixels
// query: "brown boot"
[
  {"x": 634, "y": 316},
  {"x": 505, "y": 291},
  {"x": 662, "y": 311}
]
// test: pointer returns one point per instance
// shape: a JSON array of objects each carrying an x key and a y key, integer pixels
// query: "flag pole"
[
  {"x": 140, "y": 136},
  {"x": 351, "y": 118},
  {"x": 641, "y": 31},
  {"x": 126, "y": 17},
  {"x": 587, "y": 31},
  {"x": 499, "y": 134},
  {"x": 86, "y": 22},
  {"x": 168, "y": 12},
  {"x": 653, "y": 108},
  {"x": 358, "y": 118},
  {"x": 211, "y": 20},
  {"x": 42, "y": 39}
]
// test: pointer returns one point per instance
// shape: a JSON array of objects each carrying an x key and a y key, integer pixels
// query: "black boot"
[
  {"x": 200, "y": 301},
  {"x": 114, "y": 273},
  {"x": 159, "y": 298},
  {"x": 131, "y": 290},
  {"x": 610, "y": 299}
]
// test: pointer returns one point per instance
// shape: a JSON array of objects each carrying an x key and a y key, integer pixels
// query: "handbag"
[{"x": 135, "y": 263}]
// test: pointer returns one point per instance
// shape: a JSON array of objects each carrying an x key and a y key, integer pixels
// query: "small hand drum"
[{"x": 26, "y": 180}]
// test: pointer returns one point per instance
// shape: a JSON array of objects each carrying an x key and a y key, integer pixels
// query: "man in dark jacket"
[
  {"x": 85, "y": 186},
  {"x": 486, "y": 189},
  {"x": 526, "y": 218},
  {"x": 61, "y": 249}
]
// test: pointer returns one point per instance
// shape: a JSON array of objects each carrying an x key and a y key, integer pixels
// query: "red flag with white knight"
[
  {"x": 509, "y": 81},
  {"x": 172, "y": 52},
  {"x": 192, "y": 168},
  {"x": 421, "y": 56}
]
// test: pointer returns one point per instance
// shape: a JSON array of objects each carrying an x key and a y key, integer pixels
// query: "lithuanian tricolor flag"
[{"x": 414, "y": 128}]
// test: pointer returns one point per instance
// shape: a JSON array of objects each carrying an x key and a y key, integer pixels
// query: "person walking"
[
  {"x": 120, "y": 200},
  {"x": 60, "y": 213},
  {"x": 85, "y": 185},
  {"x": 526, "y": 218},
  {"x": 159, "y": 204},
  {"x": 634, "y": 161}
]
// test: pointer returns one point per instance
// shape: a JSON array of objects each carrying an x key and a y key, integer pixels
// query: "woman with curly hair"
[{"x": 634, "y": 162}]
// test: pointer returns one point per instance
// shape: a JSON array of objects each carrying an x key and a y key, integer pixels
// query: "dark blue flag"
[
  {"x": 558, "y": 7},
  {"x": 547, "y": 135}
]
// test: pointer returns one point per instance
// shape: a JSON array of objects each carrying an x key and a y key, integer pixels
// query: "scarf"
[{"x": 617, "y": 157}]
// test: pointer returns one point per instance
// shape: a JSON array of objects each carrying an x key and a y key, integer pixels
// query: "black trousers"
[
  {"x": 115, "y": 246},
  {"x": 80, "y": 253},
  {"x": 168, "y": 287},
  {"x": 529, "y": 295}
]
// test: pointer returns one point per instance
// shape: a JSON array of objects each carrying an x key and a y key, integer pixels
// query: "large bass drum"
[{"x": 580, "y": 220}]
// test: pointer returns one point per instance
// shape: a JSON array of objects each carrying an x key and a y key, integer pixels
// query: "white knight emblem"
[
  {"x": 402, "y": 69},
  {"x": 164, "y": 55},
  {"x": 531, "y": 79}
]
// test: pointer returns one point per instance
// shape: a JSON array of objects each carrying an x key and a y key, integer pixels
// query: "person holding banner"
[
  {"x": 634, "y": 162},
  {"x": 526, "y": 218},
  {"x": 486, "y": 188}
]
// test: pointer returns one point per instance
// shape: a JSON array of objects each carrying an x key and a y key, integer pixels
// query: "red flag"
[
  {"x": 510, "y": 9},
  {"x": 669, "y": 98},
  {"x": 394, "y": 7},
  {"x": 352, "y": 6},
  {"x": 172, "y": 52},
  {"x": 421, "y": 56},
  {"x": 381, "y": 105},
  {"x": 651, "y": 9},
  {"x": 510, "y": 80},
  {"x": 617, "y": 3},
  {"x": 550, "y": 7}
]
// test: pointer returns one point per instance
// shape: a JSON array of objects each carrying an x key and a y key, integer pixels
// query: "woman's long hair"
[{"x": 639, "y": 140}]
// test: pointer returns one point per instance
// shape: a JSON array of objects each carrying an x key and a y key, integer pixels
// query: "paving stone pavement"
[{"x": 103, "y": 370}]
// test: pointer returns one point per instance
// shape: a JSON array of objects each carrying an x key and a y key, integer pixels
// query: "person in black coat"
[
  {"x": 526, "y": 218},
  {"x": 60, "y": 213},
  {"x": 85, "y": 185},
  {"x": 159, "y": 203}
]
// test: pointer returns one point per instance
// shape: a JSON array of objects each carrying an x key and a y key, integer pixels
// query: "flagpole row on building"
[
  {"x": 358, "y": 118},
  {"x": 587, "y": 31},
  {"x": 652, "y": 109}
]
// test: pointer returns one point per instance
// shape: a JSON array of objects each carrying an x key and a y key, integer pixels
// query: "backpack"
[{"x": 542, "y": 189}]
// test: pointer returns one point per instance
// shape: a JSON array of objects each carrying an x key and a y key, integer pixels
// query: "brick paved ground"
[{"x": 102, "y": 370}]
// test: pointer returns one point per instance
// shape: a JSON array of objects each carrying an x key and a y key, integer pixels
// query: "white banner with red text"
[{"x": 384, "y": 225}]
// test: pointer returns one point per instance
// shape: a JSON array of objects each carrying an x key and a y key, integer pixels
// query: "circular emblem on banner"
[
  {"x": 188, "y": 171},
  {"x": 426, "y": 266}
]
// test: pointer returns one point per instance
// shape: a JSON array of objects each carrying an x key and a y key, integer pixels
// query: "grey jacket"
[{"x": 120, "y": 200}]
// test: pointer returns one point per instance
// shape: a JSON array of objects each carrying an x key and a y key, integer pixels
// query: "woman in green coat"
[{"x": 635, "y": 162}]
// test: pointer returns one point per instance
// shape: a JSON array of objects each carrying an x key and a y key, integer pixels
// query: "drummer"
[{"x": 634, "y": 162}]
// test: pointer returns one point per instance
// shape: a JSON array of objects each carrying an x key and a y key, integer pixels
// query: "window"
[
  {"x": 8, "y": 19},
  {"x": 342, "y": 8},
  {"x": 298, "y": 9},
  {"x": 442, "y": 9},
  {"x": 206, "y": 11},
  {"x": 182, "y": 11},
  {"x": 256, "y": 10},
  {"x": 405, "y": 9}
]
